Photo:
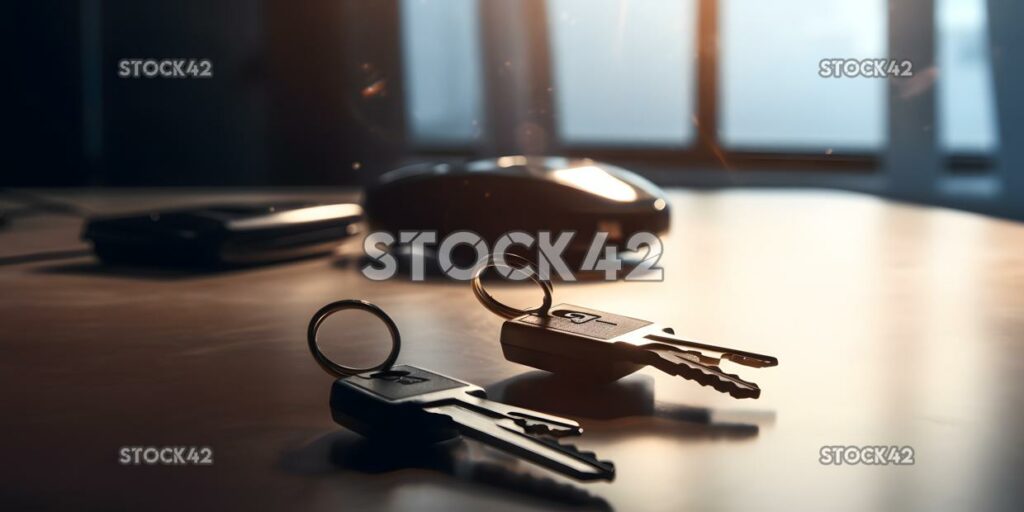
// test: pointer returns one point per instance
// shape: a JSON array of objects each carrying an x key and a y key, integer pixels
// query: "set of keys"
[
  {"x": 408, "y": 404},
  {"x": 595, "y": 345}
]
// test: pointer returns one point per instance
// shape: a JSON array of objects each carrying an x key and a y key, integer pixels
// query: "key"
[
  {"x": 408, "y": 404},
  {"x": 583, "y": 342}
]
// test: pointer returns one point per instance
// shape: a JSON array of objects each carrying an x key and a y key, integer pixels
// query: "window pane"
[
  {"x": 441, "y": 49},
  {"x": 967, "y": 122},
  {"x": 771, "y": 94},
  {"x": 623, "y": 70}
]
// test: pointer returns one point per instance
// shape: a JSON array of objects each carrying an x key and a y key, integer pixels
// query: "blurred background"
[{"x": 699, "y": 93}]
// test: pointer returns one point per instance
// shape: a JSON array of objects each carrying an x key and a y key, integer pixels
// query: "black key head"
[{"x": 386, "y": 404}]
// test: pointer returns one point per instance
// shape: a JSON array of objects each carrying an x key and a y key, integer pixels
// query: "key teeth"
[
  {"x": 725, "y": 386},
  {"x": 544, "y": 429},
  {"x": 734, "y": 391},
  {"x": 717, "y": 383},
  {"x": 606, "y": 465}
]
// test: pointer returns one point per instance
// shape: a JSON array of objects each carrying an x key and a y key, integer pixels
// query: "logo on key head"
[
  {"x": 578, "y": 317},
  {"x": 398, "y": 376}
]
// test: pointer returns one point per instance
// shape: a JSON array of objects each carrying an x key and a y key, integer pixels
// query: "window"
[
  {"x": 626, "y": 75},
  {"x": 772, "y": 97},
  {"x": 966, "y": 105},
  {"x": 442, "y": 59},
  {"x": 623, "y": 71}
]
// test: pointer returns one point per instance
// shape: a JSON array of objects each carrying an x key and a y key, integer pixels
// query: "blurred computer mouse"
[{"x": 516, "y": 193}]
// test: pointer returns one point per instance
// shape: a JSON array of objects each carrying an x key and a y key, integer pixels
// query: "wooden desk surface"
[{"x": 893, "y": 324}]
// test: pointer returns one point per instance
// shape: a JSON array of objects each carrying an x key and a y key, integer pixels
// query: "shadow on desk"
[
  {"x": 630, "y": 397},
  {"x": 342, "y": 451}
]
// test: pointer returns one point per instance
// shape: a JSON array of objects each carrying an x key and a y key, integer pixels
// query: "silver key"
[
  {"x": 410, "y": 404},
  {"x": 585, "y": 342}
]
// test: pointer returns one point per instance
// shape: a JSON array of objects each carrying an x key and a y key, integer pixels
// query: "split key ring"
[
  {"x": 504, "y": 310},
  {"x": 340, "y": 370}
]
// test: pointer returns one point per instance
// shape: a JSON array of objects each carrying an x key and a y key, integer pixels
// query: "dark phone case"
[{"x": 223, "y": 236}]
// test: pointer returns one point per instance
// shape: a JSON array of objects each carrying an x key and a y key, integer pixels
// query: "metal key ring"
[
  {"x": 504, "y": 310},
  {"x": 339, "y": 370}
]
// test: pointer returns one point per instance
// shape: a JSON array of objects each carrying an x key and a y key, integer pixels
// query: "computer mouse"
[{"x": 492, "y": 197}]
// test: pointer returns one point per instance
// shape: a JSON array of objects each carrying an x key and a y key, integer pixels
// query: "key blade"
[
  {"x": 505, "y": 434},
  {"x": 530, "y": 421},
  {"x": 675, "y": 362},
  {"x": 713, "y": 352}
]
